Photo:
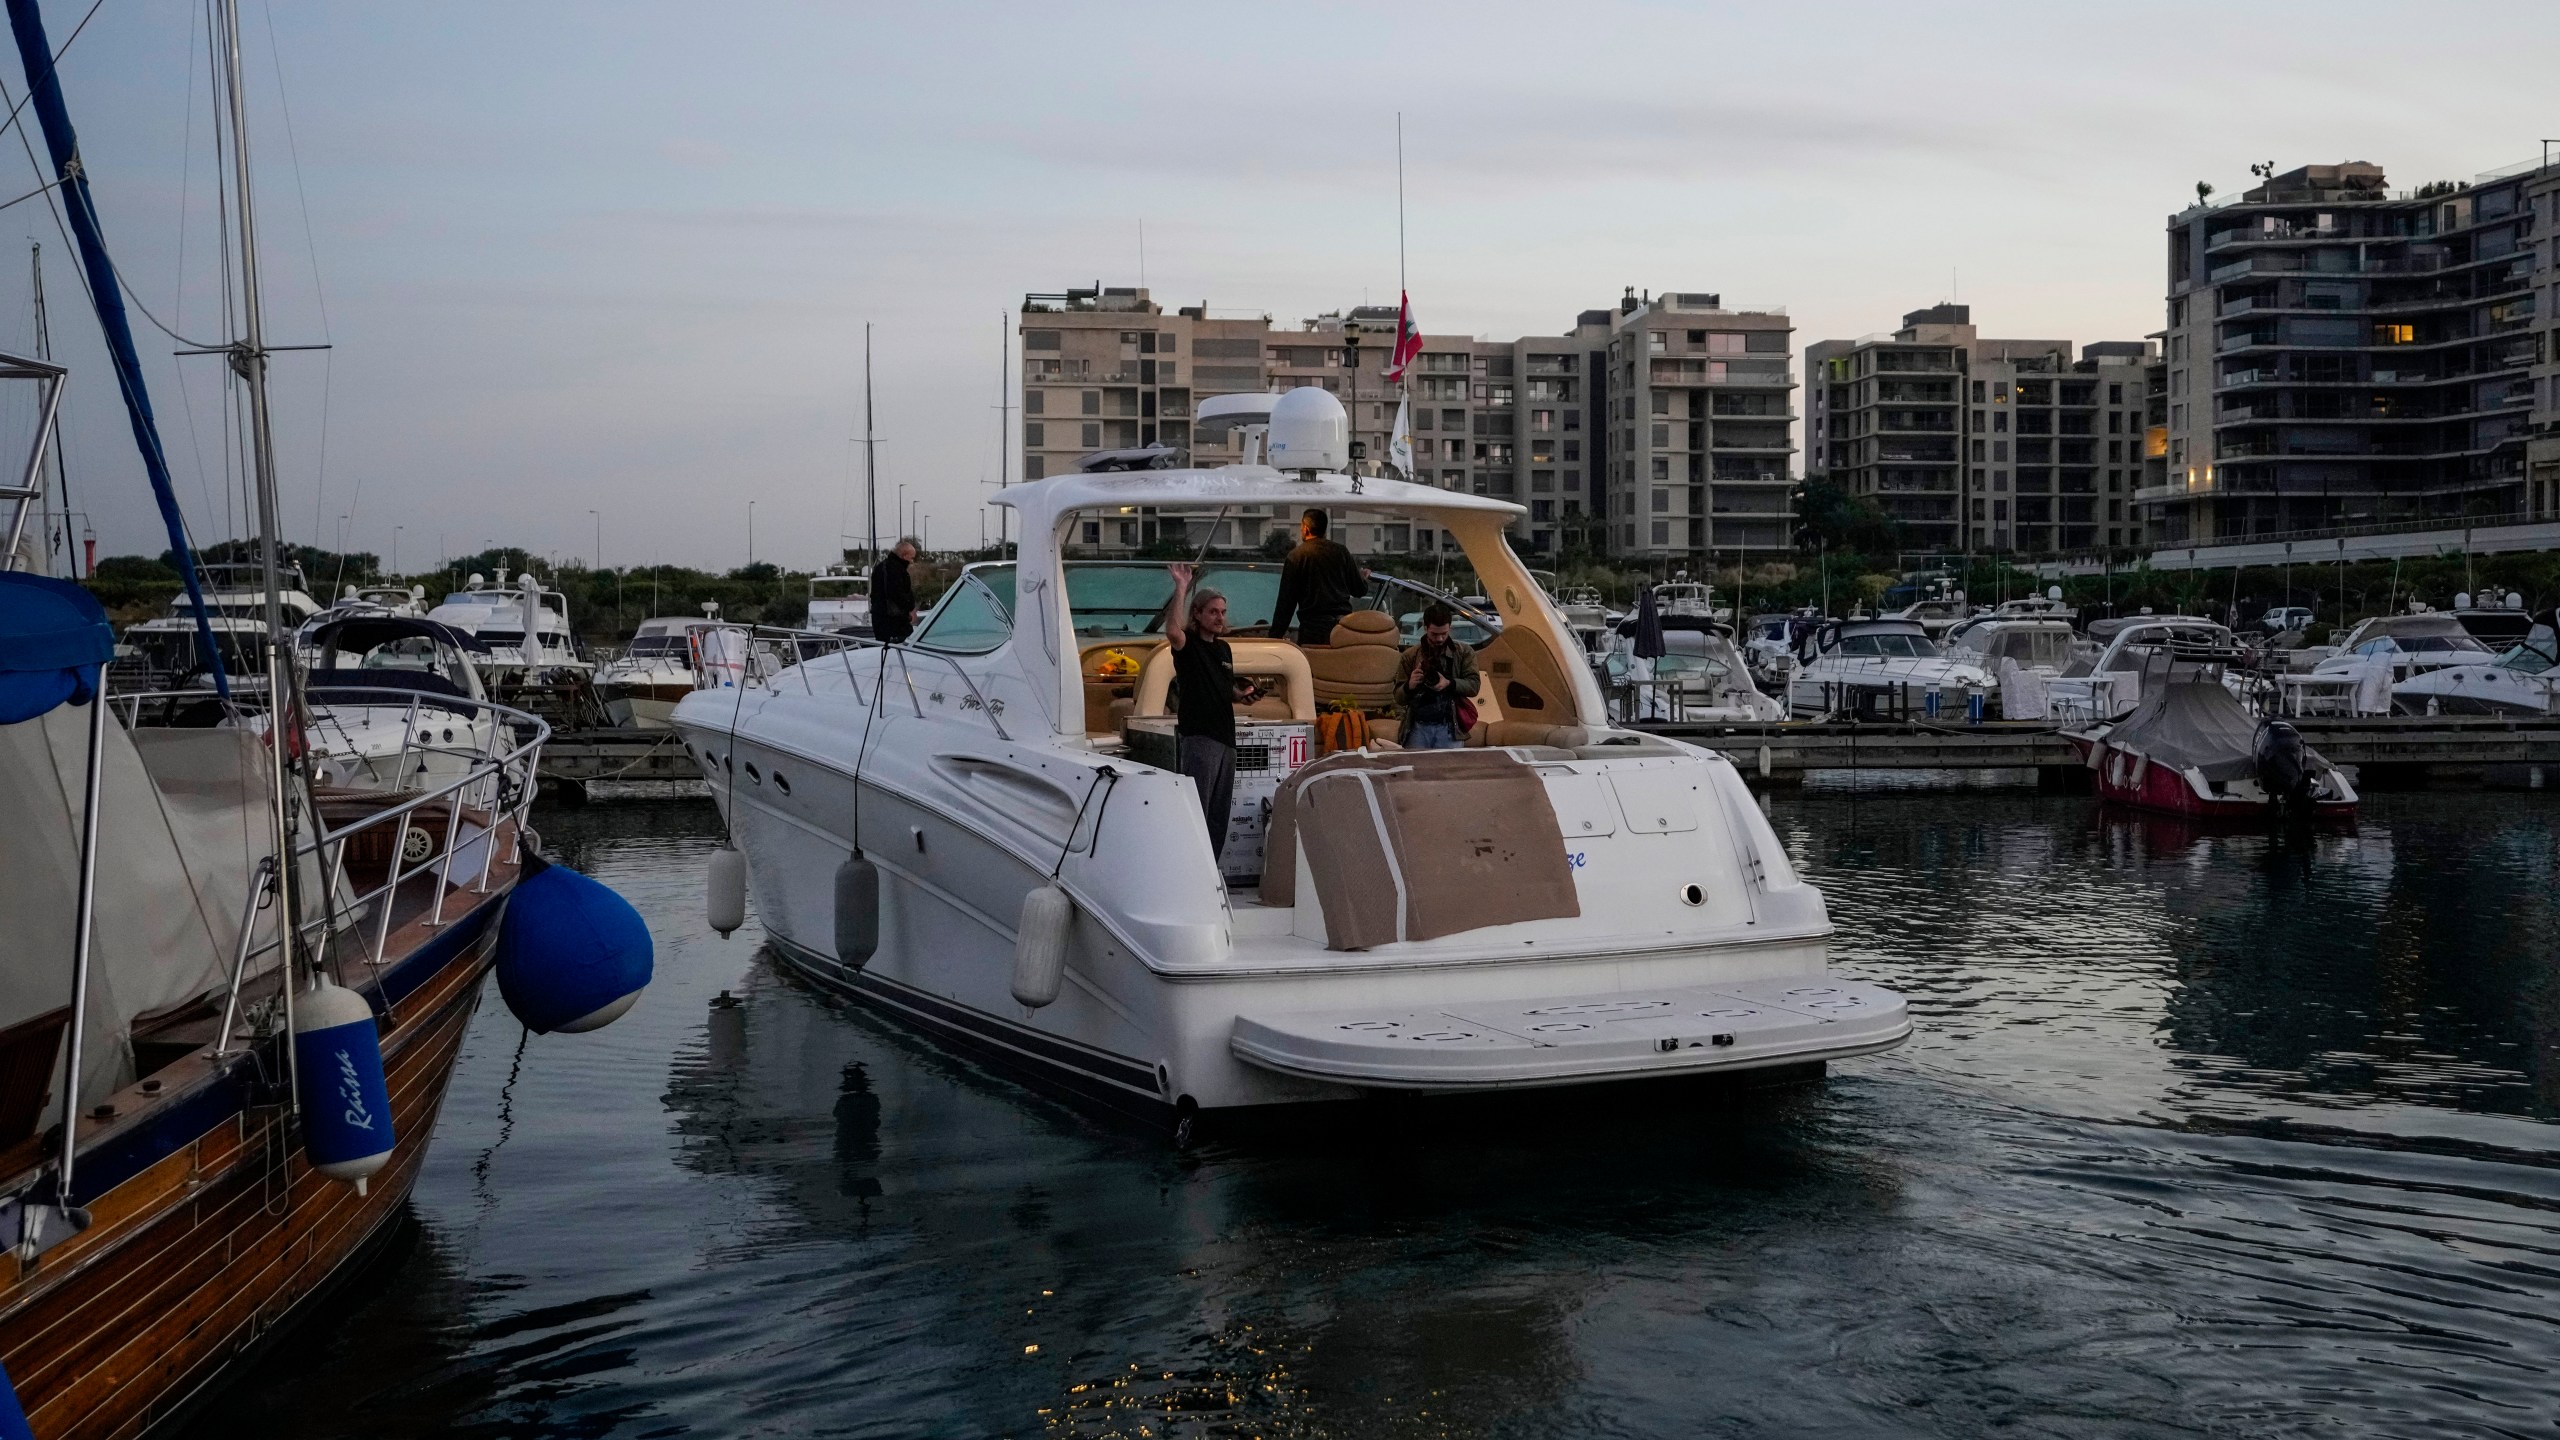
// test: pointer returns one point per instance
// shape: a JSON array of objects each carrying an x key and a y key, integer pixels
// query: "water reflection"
[{"x": 2202, "y": 1131}]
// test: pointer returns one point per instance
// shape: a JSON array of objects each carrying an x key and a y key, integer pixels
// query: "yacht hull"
[{"x": 1146, "y": 1031}]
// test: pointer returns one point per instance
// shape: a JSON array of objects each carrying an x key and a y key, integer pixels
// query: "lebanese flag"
[{"x": 1408, "y": 339}]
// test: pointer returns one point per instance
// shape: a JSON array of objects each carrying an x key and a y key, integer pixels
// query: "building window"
[
  {"x": 1999, "y": 450},
  {"x": 1661, "y": 501},
  {"x": 1542, "y": 419},
  {"x": 1033, "y": 435},
  {"x": 2000, "y": 423},
  {"x": 1542, "y": 510},
  {"x": 1977, "y": 396},
  {"x": 1573, "y": 449},
  {"x": 1034, "y": 467},
  {"x": 1093, "y": 532},
  {"x": 1661, "y": 532},
  {"x": 2000, "y": 481},
  {"x": 1092, "y": 437},
  {"x": 1661, "y": 436},
  {"x": 1092, "y": 402},
  {"x": 1654, "y": 341},
  {"x": 1035, "y": 402},
  {"x": 1164, "y": 344},
  {"x": 1573, "y": 479},
  {"x": 1661, "y": 467},
  {"x": 2115, "y": 394},
  {"x": 1542, "y": 480}
]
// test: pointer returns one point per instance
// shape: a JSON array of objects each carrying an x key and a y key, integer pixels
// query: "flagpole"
[{"x": 1400, "y": 280}]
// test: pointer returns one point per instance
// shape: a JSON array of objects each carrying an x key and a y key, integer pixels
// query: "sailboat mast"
[
  {"x": 870, "y": 456},
  {"x": 249, "y": 361}
]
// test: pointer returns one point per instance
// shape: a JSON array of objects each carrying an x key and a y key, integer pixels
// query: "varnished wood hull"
[{"x": 212, "y": 1230}]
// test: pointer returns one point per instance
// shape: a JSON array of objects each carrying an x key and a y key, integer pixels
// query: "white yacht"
[
  {"x": 397, "y": 706},
  {"x": 973, "y": 831},
  {"x": 2525, "y": 680},
  {"x": 1700, "y": 678},
  {"x": 1681, "y": 595},
  {"x": 502, "y": 616},
  {"x": 2104, "y": 681},
  {"x": 1881, "y": 667},
  {"x": 840, "y": 600},
  {"x": 2410, "y": 644},
  {"x": 641, "y": 686},
  {"x": 235, "y": 598}
]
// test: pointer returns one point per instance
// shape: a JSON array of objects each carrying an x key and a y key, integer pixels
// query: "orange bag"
[{"x": 1340, "y": 730}]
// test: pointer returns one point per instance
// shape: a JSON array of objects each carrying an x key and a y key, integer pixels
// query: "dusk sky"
[{"x": 618, "y": 257}]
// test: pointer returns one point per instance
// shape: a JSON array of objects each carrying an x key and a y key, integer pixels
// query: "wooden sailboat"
[{"x": 175, "y": 892}]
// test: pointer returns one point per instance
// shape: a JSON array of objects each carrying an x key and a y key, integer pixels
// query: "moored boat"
[
  {"x": 978, "y": 833},
  {"x": 2190, "y": 748}
]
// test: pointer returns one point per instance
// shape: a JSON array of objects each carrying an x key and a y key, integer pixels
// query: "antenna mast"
[
  {"x": 1004, "y": 424},
  {"x": 870, "y": 457}
]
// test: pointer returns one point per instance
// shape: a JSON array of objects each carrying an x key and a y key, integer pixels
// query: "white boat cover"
[{"x": 178, "y": 841}]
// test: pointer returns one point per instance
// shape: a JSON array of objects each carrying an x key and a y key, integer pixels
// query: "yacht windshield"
[
  {"x": 2539, "y": 652},
  {"x": 657, "y": 645},
  {"x": 1115, "y": 601},
  {"x": 1896, "y": 646}
]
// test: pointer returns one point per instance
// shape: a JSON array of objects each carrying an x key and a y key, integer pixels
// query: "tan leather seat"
[
  {"x": 1360, "y": 664},
  {"x": 1500, "y": 733}
]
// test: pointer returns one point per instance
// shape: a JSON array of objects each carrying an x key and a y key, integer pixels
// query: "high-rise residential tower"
[{"x": 2343, "y": 355}]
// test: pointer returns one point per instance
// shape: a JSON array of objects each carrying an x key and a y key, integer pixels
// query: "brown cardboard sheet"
[{"x": 1468, "y": 833}]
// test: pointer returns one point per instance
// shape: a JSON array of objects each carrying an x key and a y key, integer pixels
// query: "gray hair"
[
  {"x": 1200, "y": 599},
  {"x": 910, "y": 540}
]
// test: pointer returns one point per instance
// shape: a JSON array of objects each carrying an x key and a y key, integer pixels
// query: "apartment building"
[
  {"x": 1974, "y": 444},
  {"x": 1699, "y": 401},
  {"x": 2542, "y": 449},
  {"x": 1703, "y": 401},
  {"x": 2342, "y": 355}
]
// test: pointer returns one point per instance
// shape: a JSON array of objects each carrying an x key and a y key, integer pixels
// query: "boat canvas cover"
[
  {"x": 2195, "y": 725},
  {"x": 1464, "y": 839}
]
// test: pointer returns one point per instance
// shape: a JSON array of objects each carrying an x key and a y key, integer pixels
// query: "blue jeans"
[{"x": 1439, "y": 735}]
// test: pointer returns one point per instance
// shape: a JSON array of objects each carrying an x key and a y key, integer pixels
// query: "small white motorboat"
[{"x": 1881, "y": 667}]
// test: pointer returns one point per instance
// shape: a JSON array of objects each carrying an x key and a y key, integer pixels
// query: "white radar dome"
[{"x": 1309, "y": 431}]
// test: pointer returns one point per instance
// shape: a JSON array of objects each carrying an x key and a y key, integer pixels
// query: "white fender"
[{"x": 1040, "y": 945}]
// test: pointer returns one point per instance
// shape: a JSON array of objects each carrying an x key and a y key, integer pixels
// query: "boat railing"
[
  {"x": 492, "y": 791},
  {"x": 777, "y": 655}
]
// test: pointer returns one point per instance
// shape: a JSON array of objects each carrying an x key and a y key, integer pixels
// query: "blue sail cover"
[{"x": 53, "y": 639}]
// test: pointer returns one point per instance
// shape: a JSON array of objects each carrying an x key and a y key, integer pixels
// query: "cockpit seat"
[
  {"x": 1360, "y": 665},
  {"x": 1498, "y": 734},
  {"x": 1276, "y": 663}
]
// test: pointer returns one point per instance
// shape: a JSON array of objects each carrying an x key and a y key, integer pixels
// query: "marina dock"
[
  {"x": 575, "y": 759},
  {"x": 2390, "y": 751}
]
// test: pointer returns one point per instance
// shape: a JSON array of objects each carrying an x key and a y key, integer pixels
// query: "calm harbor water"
[{"x": 2199, "y": 1133}]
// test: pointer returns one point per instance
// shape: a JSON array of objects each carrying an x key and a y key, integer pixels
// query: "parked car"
[{"x": 2282, "y": 618}]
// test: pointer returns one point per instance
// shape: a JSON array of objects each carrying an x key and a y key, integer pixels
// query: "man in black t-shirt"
[
  {"x": 1319, "y": 584},
  {"x": 1206, "y": 692}
]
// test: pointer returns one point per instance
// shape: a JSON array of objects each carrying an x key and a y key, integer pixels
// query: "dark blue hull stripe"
[
  {"x": 234, "y": 1089},
  {"x": 943, "y": 1015}
]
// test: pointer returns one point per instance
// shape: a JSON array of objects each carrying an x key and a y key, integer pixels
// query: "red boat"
[{"x": 2190, "y": 749}]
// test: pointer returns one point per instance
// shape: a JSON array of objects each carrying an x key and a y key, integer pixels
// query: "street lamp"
[{"x": 395, "y": 551}]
